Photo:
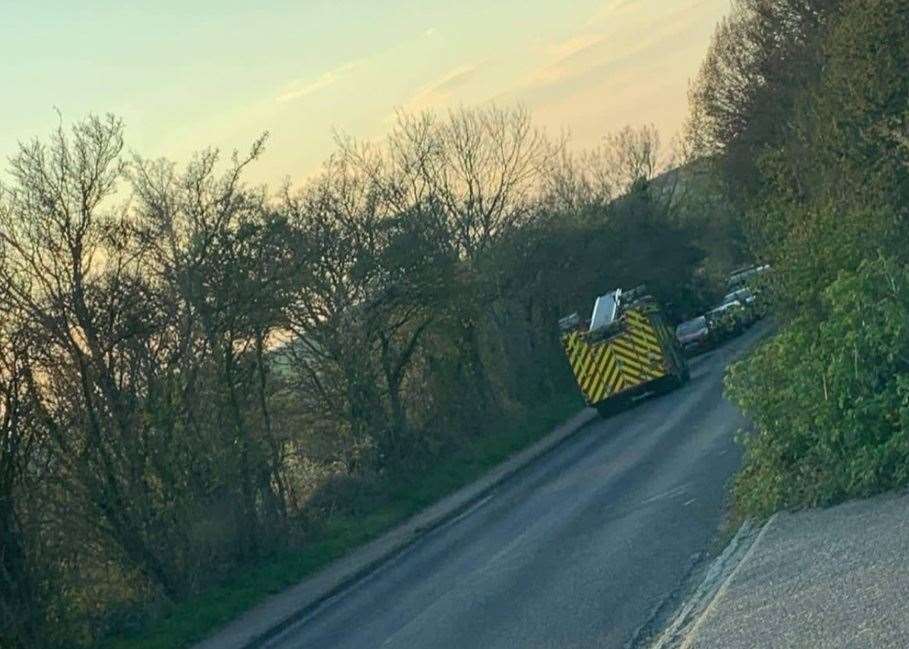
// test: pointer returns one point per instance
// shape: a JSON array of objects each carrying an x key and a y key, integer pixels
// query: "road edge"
[
  {"x": 692, "y": 631},
  {"x": 679, "y": 630},
  {"x": 278, "y": 612}
]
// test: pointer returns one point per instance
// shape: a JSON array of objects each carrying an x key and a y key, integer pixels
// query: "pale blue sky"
[{"x": 195, "y": 73}]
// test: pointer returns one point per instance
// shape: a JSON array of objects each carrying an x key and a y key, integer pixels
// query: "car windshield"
[{"x": 691, "y": 326}]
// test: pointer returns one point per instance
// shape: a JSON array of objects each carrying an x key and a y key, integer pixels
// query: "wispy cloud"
[
  {"x": 300, "y": 88},
  {"x": 607, "y": 41},
  {"x": 573, "y": 45},
  {"x": 562, "y": 58},
  {"x": 441, "y": 90},
  {"x": 608, "y": 10}
]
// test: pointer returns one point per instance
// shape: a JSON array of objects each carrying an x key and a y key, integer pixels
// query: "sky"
[{"x": 189, "y": 74}]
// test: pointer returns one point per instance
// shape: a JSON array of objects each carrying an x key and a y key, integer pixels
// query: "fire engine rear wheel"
[
  {"x": 612, "y": 406},
  {"x": 673, "y": 382}
]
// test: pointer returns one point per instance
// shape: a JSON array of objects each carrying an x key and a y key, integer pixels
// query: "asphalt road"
[{"x": 576, "y": 550}]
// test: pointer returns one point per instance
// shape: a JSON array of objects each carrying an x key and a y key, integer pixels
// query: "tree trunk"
[
  {"x": 248, "y": 522},
  {"x": 276, "y": 503},
  {"x": 482, "y": 386},
  {"x": 19, "y": 605}
]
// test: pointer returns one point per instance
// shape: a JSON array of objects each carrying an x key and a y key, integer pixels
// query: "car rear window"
[{"x": 691, "y": 326}]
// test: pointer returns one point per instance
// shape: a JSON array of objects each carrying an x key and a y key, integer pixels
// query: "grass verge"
[{"x": 193, "y": 619}]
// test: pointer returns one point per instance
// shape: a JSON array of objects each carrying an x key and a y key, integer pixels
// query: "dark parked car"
[
  {"x": 693, "y": 335},
  {"x": 743, "y": 295}
]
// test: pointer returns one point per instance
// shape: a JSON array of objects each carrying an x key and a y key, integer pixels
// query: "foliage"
[
  {"x": 366, "y": 512},
  {"x": 208, "y": 391},
  {"x": 803, "y": 105},
  {"x": 830, "y": 397}
]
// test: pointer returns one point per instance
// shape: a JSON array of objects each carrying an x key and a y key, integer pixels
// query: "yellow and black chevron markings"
[{"x": 633, "y": 357}]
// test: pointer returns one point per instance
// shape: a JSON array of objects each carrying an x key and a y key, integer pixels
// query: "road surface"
[{"x": 576, "y": 550}]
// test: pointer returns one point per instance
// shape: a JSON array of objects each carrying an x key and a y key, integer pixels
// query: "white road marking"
[
  {"x": 470, "y": 510},
  {"x": 665, "y": 494}
]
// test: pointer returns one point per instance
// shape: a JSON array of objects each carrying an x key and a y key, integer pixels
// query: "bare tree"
[
  {"x": 366, "y": 296},
  {"x": 148, "y": 332},
  {"x": 68, "y": 278},
  {"x": 85, "y": 308},
  {"x": 579, "y": 180},
  {"x": 482, "y": 166},
  {"x": 221, "y": 259},
  {"x": 334, "y": 221},
  {"x": 20, "y": 605},
  {"x": 634, "y": 155}
]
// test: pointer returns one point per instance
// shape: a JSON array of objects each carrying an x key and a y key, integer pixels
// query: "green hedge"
[{"x": 829, "y": 397}]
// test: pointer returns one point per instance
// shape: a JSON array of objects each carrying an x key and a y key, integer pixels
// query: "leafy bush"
[
  {"x": 802, "y": 105},
  {"x": 829, "y": 397}
]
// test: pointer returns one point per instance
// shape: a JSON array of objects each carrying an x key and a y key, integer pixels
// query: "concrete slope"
[
  {"x": 831, "y": 578},
  {"x": 575, "y": 550}
]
